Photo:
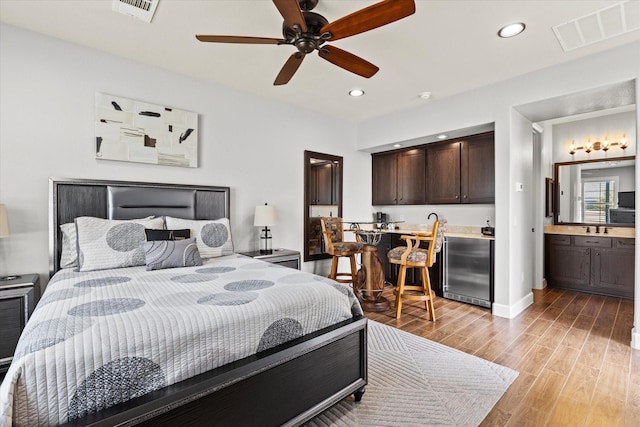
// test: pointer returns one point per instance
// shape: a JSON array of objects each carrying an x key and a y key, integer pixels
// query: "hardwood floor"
[{"x": 571, "y": 349}]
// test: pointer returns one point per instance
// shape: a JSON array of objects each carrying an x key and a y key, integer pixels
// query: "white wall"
[
  {"x": 250, "y": 144},
  {"x": 492, "y": 104}
]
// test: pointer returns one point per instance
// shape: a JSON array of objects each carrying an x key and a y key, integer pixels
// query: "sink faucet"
[{"x": 432, "y": 213}]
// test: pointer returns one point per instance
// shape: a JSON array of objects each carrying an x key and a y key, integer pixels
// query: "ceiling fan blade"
[
  {"x": 239, "y": 39},
  {"x": 290, "y": 11},
  {"x": 348, "y": 61},
  {"x": 289, "y": 69},
  {"x": 374, "y": 16}
]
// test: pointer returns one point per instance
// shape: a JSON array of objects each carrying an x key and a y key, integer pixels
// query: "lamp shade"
[
  {"x": 4, "y": 222},
  {"x": 265, "y": 216}
]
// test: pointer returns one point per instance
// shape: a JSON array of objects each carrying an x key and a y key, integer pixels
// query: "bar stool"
[
  {"x": 413, "y": 256},
  {"x": 332, "y": 231}
]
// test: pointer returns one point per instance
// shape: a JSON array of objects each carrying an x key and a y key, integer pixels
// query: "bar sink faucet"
[{"x": 432, "y": 213}]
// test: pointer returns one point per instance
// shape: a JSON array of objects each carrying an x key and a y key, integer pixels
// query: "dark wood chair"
[
  {"x": 333, "y": 232},
  {"x": 413, "y": 256}
]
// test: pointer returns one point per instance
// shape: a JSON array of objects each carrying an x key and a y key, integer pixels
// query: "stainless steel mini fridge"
[{"x": 468, "y": 270}]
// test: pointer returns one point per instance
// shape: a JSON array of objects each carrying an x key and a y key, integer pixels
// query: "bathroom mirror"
[
  {"x": 322, "y": 197},
  {"x": 595, "y": 192}
]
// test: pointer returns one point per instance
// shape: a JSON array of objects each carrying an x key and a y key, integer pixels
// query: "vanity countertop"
[{"x": 580, "y": 230}]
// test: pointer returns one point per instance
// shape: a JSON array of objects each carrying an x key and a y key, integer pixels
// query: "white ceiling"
[{"x": 446, "y": 47}]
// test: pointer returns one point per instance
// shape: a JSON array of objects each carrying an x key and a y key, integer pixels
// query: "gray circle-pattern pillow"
[
  {"x": 105, "y": 243},
  {"x": 213, "y": 238}
]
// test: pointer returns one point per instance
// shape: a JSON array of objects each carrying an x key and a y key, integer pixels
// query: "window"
[{"x": 598, "y": 195}]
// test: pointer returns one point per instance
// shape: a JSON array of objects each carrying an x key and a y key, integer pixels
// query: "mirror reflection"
[
  {"x": 323, "y": 197},
  {"x": 596, "y": 192}
]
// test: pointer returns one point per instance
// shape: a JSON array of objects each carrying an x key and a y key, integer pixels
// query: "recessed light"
[
  {"x": 397, "y": 145},
  {"x": 511, "y": 30},
  {"x": 356, "y": 92},
  {"x": 424, "y": 95},
  {"x": 442, "y": 136}
]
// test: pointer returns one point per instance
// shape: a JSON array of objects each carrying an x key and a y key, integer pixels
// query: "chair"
[
  {"x": 332, "y": 231},
  {"x": 413, "y": 256}
]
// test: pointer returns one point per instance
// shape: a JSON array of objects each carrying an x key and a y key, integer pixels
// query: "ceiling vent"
[
  {"x": 141, "y": 9},
  {"x": 612, "y": 21}
]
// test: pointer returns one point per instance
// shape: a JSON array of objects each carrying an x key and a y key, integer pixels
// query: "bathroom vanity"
[{"x": 599, "y": 263}]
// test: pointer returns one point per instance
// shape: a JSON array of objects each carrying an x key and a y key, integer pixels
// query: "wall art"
[{"x": 136, "y": 131}]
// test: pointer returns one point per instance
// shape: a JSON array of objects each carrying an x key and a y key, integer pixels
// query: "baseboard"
[
  {"x": 635, "y": 338},
  {"x": 511, "y": 311}
]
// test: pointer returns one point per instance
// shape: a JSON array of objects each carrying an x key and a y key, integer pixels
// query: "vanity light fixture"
[
  {"x": 603, "y": 145},
  {"x": 511, "y": 30},
  {"x": 356, "y": 92}
]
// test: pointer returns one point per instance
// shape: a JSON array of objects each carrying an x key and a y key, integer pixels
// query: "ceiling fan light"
[
  {"x": 511, "y": 30},
  {"x": 356, "y": 92}
]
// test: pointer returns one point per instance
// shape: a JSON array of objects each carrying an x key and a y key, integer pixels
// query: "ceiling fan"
[{"x": 308, "y": 31}]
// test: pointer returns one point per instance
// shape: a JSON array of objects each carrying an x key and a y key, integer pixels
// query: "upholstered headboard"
[{"x": 71, "y": 198}]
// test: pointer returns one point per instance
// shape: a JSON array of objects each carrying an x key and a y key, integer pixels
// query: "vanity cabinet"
[
  {"x": 398, "y": 178},
  {"x": 462, "y": 171},
  {"x": 324, "y": 188},
  {"x": 595, "y": 264}
]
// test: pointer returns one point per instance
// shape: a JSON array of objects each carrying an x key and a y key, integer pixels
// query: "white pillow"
[
  {"x": 106, "y": 243},
  {"x": 69, "y": 255},
  {"x": 213, "y": 237}
]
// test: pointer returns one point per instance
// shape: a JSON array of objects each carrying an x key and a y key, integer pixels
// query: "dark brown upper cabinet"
[
  {"x": 399, "y": 178},
  {"x": 462, "y": 171}
]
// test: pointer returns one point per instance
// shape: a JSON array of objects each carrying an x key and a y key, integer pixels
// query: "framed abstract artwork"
[{"x": 136, "y": 131}]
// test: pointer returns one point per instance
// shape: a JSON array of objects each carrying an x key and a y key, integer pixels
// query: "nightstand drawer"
[{"x": 18, "y": 297}]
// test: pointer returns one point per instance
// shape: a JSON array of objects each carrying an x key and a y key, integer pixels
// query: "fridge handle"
[{"x": 445, "y": 258}]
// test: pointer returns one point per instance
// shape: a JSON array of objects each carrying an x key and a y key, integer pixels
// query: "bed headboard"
[{"x": 72, "y": 198}]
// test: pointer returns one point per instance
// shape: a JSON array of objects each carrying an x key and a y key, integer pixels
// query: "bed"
[{"x": 233, "y": 341}]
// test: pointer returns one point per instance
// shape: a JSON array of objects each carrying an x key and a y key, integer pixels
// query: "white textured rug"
[{"x": 417, "y": 382}]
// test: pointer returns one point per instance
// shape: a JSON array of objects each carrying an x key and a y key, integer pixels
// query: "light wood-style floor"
[{"x": 571, "y": 349}]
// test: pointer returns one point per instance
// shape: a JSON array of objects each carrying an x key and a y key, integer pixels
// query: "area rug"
[{"x": 417, "y": 382}]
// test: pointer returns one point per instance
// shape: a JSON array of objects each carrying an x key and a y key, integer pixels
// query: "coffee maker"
[{"x": 380, "y": 220}]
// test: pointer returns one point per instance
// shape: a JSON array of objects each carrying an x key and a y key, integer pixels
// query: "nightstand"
[
  {"x": 18, "y": 297},
  {"x": 284, "y": 257}
]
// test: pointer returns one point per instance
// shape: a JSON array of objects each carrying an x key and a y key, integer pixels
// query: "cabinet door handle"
[
  {"x": 465, "y": 196},
  {"x": 457, "y": 197}
]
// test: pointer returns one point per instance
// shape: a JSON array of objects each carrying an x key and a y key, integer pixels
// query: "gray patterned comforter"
[{"x": 102, "y": 337}]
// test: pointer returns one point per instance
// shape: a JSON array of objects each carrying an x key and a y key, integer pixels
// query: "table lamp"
[
  {"x": 4, "y": 222},
  {"x": 265, "y": 216},
  {"x": 4, "y": 232}
]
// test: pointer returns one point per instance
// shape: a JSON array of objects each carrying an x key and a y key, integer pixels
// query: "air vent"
[
  {"x": 612, "y": 21},
  {"x": 141, "y": 9}
]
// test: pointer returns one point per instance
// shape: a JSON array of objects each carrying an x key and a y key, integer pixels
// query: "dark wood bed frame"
[{"x": 285, "y": 385}]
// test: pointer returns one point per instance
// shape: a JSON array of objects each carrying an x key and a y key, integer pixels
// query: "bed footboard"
[{"x": 286, "y": 385}]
